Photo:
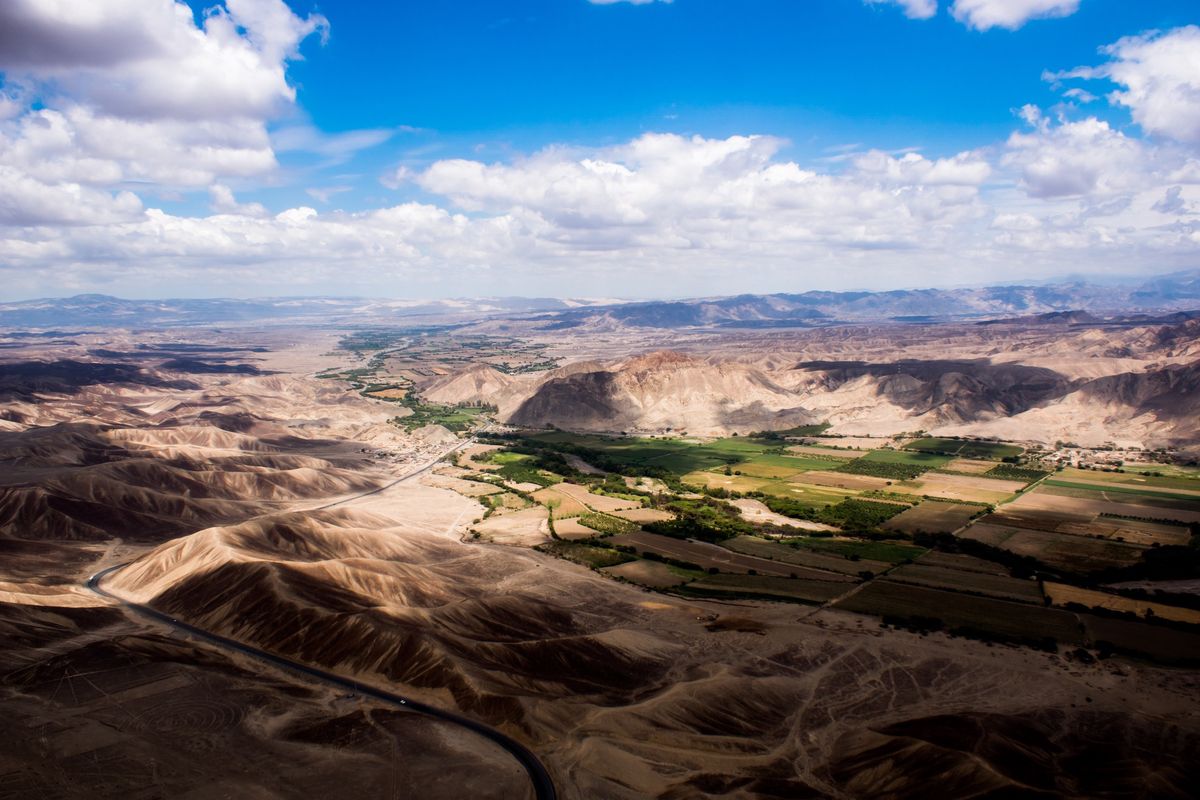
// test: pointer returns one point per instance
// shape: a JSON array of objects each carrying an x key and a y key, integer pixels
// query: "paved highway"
[{"x": 543, "y": 787}]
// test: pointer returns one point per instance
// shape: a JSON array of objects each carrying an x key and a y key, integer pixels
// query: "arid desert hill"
[
  {"x": 1091, "y": 382},
  {"x": 628, "y": 696}
]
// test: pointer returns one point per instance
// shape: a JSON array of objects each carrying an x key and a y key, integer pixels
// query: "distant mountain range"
[{"x": 1063, "y": 303}]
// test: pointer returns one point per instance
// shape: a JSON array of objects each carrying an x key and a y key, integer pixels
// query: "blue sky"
[
  {"x": 546, "y": 146},
  {"x": 487, "y": 80}
]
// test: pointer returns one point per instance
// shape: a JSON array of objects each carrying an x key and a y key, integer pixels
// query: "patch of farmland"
[
  {"x": 1088, "y": 508},
  {"x": 652, "y": 485},
  {"x": 824, "y": 452},
  {"x": 524, "y": 528},
  {"x": 807, "y": 591},
  {"x": 732, "y": 483},
  {"x": 1088, "y": 479},
  {"x": 799, "y": 556},
  {"x": 860, "y": 549},
  {"x": 807, "y": 493},
  {"x": 654, "y": 574},
  {"x": 564, "y": 504},
  {"x": 1150, "y": 498},
  {"x": 523, "y": 486},
  {"x": 596, "y": 501},
  {"x": 962, "y": 562},
  {"x": 971, "y": 465},
  {"x": 926, "y": 460},
  {"x": 1002, "y": 586},
  {"x": 885, "y": 597},
  {"x": 844, "y": 480},
  {"x": 854, "y": 442},
  {"x": 1170, "y": 478},
  {"x": 572, "y": 529},
  {"x": 756, "y": 511},
  {"x": 644, "y": 515},
  {"x": 463, "y": 487},
  {"x": 969, "y": 488},
  {"x": 507, "y": 501},
  {"x": 1132, "y": 531},
  {"x": 1159, "y": 642},
  {"x": 760, "y": 469},
  {"x": 967, "y": 448},
  {"x": 707, "y": 556},
  {"x": 1057, "y": 550},
  {"x": 932, "y": 517},
  {"x": 1060, "y": 594}
]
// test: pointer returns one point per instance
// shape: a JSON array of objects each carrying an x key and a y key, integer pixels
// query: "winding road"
[{"x": 543, "y": 786}]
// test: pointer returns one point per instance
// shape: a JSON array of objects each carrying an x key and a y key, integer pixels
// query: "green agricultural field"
[
  {"x": 965, "y": 448},
  {"x": 766, "y": 587},
  {"x": 608, "y": 525},
  {"x": 1108, "y": 492},
  {"x": 955, "y": 610},
  {"x": 449, "y": 417},
  {"x": 815, "y": 496},
  {"x": 502, "y": 457},
  {"x": 890, "y": 552},
  {"x": 801, "y": 557},
  {"x": 1009, "y": 472},
  {"x": 924, "y": 460},
  {"x": 586, "y": 554},
  {"x": 1135, "y": 476}
]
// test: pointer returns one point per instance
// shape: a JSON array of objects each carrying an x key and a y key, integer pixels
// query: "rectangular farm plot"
[
  {"x": 966, "y": 448},
  {"x": 733, "y": 483},
  {"x": 1133, "y": 531},
  {"x": 707, "y": 556},
  {"x": 887, "y": 598},
  {"x": 763, "y": 586},
  {"x": 814, "y": 451},
  {"x": 653, "y": 574},
  {"x": 528, "y": 527},
  {"x": 807, "y": 493},
  {"x": 765, "y": 469},
  {"x": 1091, "y": 505},
  {"x": 1160, "y": 642},
  {"x": 926, "y": 460},
  {"x": 564, "y": 504},
  {"x": 1060, "y": 594},
  {"x": 644, "y": 515},
  {"x": 1002, "y": 586},
  {"x": 971, "y": 465},
  {"x": 596, "y": 501},
  {"x": 844, "y": 480},
  {"x": 799, "y": 556},
  {"x": 1057, "y": 550},
  {"x": 932, "y": 517},
  {"x": 961, "y": 562},
  {"x": 963, "y": 487},
  {"x": 1120, "y": 493},
  {"x": 1134, "y": 477},
  {"x": 572, "y": 529},
  {"x": 758, "y": 512}
]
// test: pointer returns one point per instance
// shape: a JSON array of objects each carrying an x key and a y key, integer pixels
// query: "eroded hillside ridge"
[{"x": 1085, "y": 382}]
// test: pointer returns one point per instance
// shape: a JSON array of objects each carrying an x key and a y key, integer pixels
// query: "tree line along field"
[{"x": 958, "y": 565}]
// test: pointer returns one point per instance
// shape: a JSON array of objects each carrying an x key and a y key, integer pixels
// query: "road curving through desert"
[{"x": 539, "y": 777}]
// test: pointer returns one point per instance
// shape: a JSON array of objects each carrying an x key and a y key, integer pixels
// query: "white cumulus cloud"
[
  {"x": 1011, "y": 14},
  {"x": 1159, "y": 78},
  {"x": 913, "y": 9}
]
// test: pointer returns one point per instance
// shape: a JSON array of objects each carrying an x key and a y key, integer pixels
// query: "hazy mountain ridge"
[{"x": 1174, "y": 292}]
